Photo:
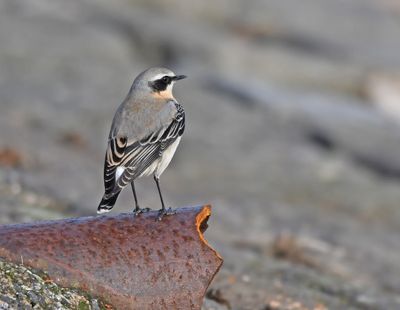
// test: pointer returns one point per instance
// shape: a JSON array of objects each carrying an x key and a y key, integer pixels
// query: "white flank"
[
  {"x": 166, "y": 157},
  {"x": 119, "y": 172}
]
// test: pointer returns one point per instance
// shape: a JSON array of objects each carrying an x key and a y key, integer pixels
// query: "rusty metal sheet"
[{"x": 130, "y": 262}]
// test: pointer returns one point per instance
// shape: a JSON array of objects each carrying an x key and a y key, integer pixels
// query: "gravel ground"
[{"x": 23, "y": 288}]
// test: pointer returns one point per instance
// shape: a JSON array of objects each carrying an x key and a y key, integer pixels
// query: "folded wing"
[{"x": 131, "y": 159}]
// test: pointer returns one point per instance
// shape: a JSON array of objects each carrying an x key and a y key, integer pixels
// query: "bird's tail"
[{"x": 107, "y": 203}]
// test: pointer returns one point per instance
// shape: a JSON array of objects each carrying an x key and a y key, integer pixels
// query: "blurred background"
[{"x": 293, "y": 133}]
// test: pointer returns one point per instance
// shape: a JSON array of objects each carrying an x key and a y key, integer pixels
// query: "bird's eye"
[{"x": 166, "y": 79}]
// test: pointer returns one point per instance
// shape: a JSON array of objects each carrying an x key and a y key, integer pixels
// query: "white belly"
[{"x": 159, "y": 165}]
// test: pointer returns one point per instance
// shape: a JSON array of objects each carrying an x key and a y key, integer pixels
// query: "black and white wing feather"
[{"x": 126, "y": 161}]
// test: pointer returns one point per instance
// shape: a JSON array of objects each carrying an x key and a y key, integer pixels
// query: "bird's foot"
[
  {"x": 163, "y": 212},
  {"x": 138, "y": 211}
]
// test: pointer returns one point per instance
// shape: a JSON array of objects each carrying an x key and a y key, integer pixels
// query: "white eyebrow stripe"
[{"x": 160, "y": 75}]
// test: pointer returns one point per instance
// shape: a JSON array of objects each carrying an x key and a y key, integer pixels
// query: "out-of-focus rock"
[
  {"x": 20, "y": 204},
  {"x": 384, "y": 92},
  {"x": 329, "y": 121}
]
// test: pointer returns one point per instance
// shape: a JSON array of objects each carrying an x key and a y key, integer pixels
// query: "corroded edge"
[{"x": 201, "y": 221}]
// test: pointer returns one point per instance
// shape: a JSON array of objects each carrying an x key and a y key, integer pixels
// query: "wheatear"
[{"x": 144, "y": 135}]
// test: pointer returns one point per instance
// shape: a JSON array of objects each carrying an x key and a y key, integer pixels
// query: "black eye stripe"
[{"x": 161, "y": 84}]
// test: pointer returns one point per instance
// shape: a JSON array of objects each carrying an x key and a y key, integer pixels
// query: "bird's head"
[{"x": 158, "y": 81}]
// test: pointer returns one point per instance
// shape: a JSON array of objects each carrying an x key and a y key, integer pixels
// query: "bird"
[{"x": 145, "y": 133}]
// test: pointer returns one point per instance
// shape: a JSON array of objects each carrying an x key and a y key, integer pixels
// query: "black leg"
[
  {"x": 134, "y": 195},
  {"x": 159, "y": 192},
  {"x": 137, "y": 210},
  {"x": 163, "y": 211}
]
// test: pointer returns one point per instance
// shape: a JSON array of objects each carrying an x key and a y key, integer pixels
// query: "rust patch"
[{"x": 10, "y": 157}]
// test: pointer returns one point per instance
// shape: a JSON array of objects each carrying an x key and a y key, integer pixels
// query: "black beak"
[{"x": 178, "y": 77}]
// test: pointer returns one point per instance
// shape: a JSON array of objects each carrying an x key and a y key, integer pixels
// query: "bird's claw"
[
  {"x": 163, "y": 212},
  {"x": 138, "y": 211}
]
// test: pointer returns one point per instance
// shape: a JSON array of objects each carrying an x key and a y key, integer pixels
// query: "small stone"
[
  {"x": 246, "y": 278},
  {"x": 95, "y": 304},
  {"x": 33, "y": 298}
]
